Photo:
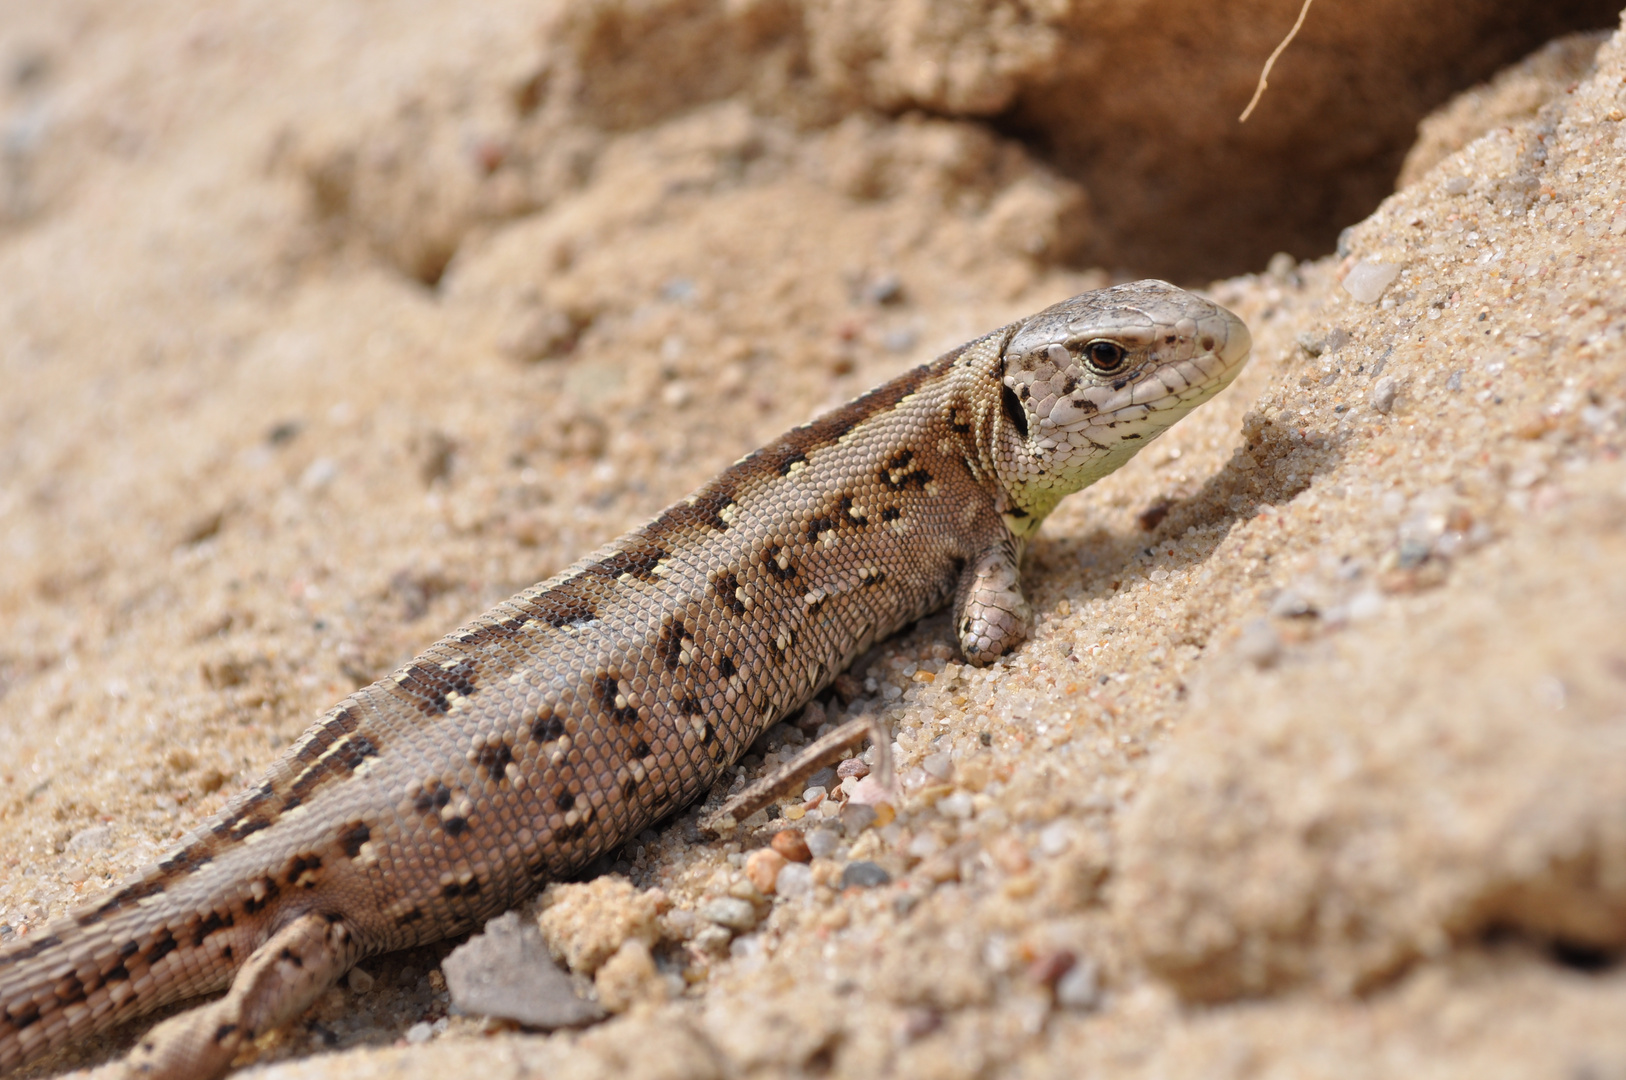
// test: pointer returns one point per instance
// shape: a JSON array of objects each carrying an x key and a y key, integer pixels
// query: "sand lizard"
[{"x": 574, "y": 715}]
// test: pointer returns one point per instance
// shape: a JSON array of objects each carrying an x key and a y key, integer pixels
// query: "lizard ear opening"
[{"x": 1013, "y": 410}]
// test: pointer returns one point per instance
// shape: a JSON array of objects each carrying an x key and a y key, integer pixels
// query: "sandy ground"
[{"x": 323, "y": 330}]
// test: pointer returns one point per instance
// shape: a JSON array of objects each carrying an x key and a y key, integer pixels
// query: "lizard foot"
[
  {"x": 991, "y": 614},
  {"x": 280, "y": 980}
]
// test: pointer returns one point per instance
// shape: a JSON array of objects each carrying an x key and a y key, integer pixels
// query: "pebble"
[
  {"x": 957, "y": 805},
  {"x": 939, "y": 765},
  {"x": 729, "y": 911},
  {"x": 855, "y": 818},
  {"x": 823, "y": 842},
  {"x": 1384, "y": 393},
  {"x": 790, "y": 844},
  {"x": 853, "y": 767},
  {"x": 1366, "y": 281},
  {"x": 507, "y": 972},
  {"x": 1055, "y": 838},
  {"x": 1051, "y": 965},
  {"x": 762, "y": 866},
  {"x": 1291, "y": 605},
  {"x": 420, "y": 1032},
  {"x": 795, "y": 879},
  {"x": 823, "y": 778},
  {"x": 95, "y": 838},
  {"x": 1079, "y": 988},
  {"x": 1260, "y": 645},
  {"x": 864, "y": 875}
]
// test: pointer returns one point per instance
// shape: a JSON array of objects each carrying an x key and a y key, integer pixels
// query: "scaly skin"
[{"x": 574, "y": 715}]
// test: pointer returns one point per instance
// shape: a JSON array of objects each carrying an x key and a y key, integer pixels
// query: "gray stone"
[
  {"x": 864, "y": 875},
  {"x": 507, "y": 972},
  {"x": 730, "y": 911}
]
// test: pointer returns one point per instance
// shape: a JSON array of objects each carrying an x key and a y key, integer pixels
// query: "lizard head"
[{"x": 1087, "y": 383}]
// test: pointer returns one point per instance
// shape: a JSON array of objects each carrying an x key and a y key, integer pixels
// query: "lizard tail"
[{"x": 109, "y": 963}]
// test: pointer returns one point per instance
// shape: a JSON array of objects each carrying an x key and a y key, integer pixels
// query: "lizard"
[{"x": 588, "y": 707}]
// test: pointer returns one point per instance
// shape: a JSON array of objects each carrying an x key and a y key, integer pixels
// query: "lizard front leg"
[
  {"x": 990, "y": 613},
  {"x": 279, "y": 981}
]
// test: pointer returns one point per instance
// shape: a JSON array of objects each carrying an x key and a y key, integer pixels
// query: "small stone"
[
  {"x": 419, "y": 1033},
  {"x": 795, "y": 879},
  {"x": 852, "y": 767},
  {"x": 824, "y": 778},
  {"x": 939, "y": 765},
  {"x": 713, "y": 940},
  {"x": 1383, "y": 394},
  {"x": 957, "y": 805},
  {"x": 918, "y": 1023},
  {"x": 1366, "y": 281},
  {"x": 762, "y": 866},
  {"x": 95, "y": 838},
  {"x": 900, "y": 339},
  {"x": 1078, "y": 988},
  {"x": 730, "y": 912},
  {"x": 359, "y": 981},
  {"x": 1055, "y": 838},
  {"x": 869, "y": 792},
  {"x": 790, "y": 844},
  {"x": 507, "y": 972},
  {"x": 823, "y": 842},
  {"x": 1260, "y": 645},
  {"x": 856, "y": 817},
  {"x": 884, "y": 288},
  {"x": 864, "y": 875},
  {"x": 1290, "y": 605},
  {"x": 1050, "y": 965}
]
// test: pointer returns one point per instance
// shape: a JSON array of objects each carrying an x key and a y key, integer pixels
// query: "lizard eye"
[{"x": 1104, "y": 357}]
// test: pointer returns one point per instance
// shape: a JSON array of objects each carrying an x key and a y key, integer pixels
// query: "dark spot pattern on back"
[
  {"x": 772, "y": 556},
  {"x": 545, "y": 727},
  {"x": 898, "y": 475},
  {"x": 607, "y": 690},
  {"x": 494, "y": 760},
  {"x": 562, "y": 607},
  {"x": 705, "y": 512},
  {"x": 670, "y": 646},
  {"x": 727, "y": 587},
  {"x": 431, "y": 685},
  {"x": 353, "y": 836},
  {"x": 639, "y": 560}
]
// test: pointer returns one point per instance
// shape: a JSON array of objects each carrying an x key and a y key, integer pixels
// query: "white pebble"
[
  {"x": 420, "y": 1032},
  {"x": 1366, "y": 281},
  {"x": 823, "y": 843},
  {"x": 795, "y": 879},
  {"x": 1383, "y": 394},
  {"x": 729, "y": 911},
  {"x": 1079, "y": 989},
  {"x": 1054, "y": 838},
  {"x": 956, "y": 805}
]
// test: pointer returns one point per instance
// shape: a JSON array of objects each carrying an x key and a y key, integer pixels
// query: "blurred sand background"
[{"x": 324, "y": 327}]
